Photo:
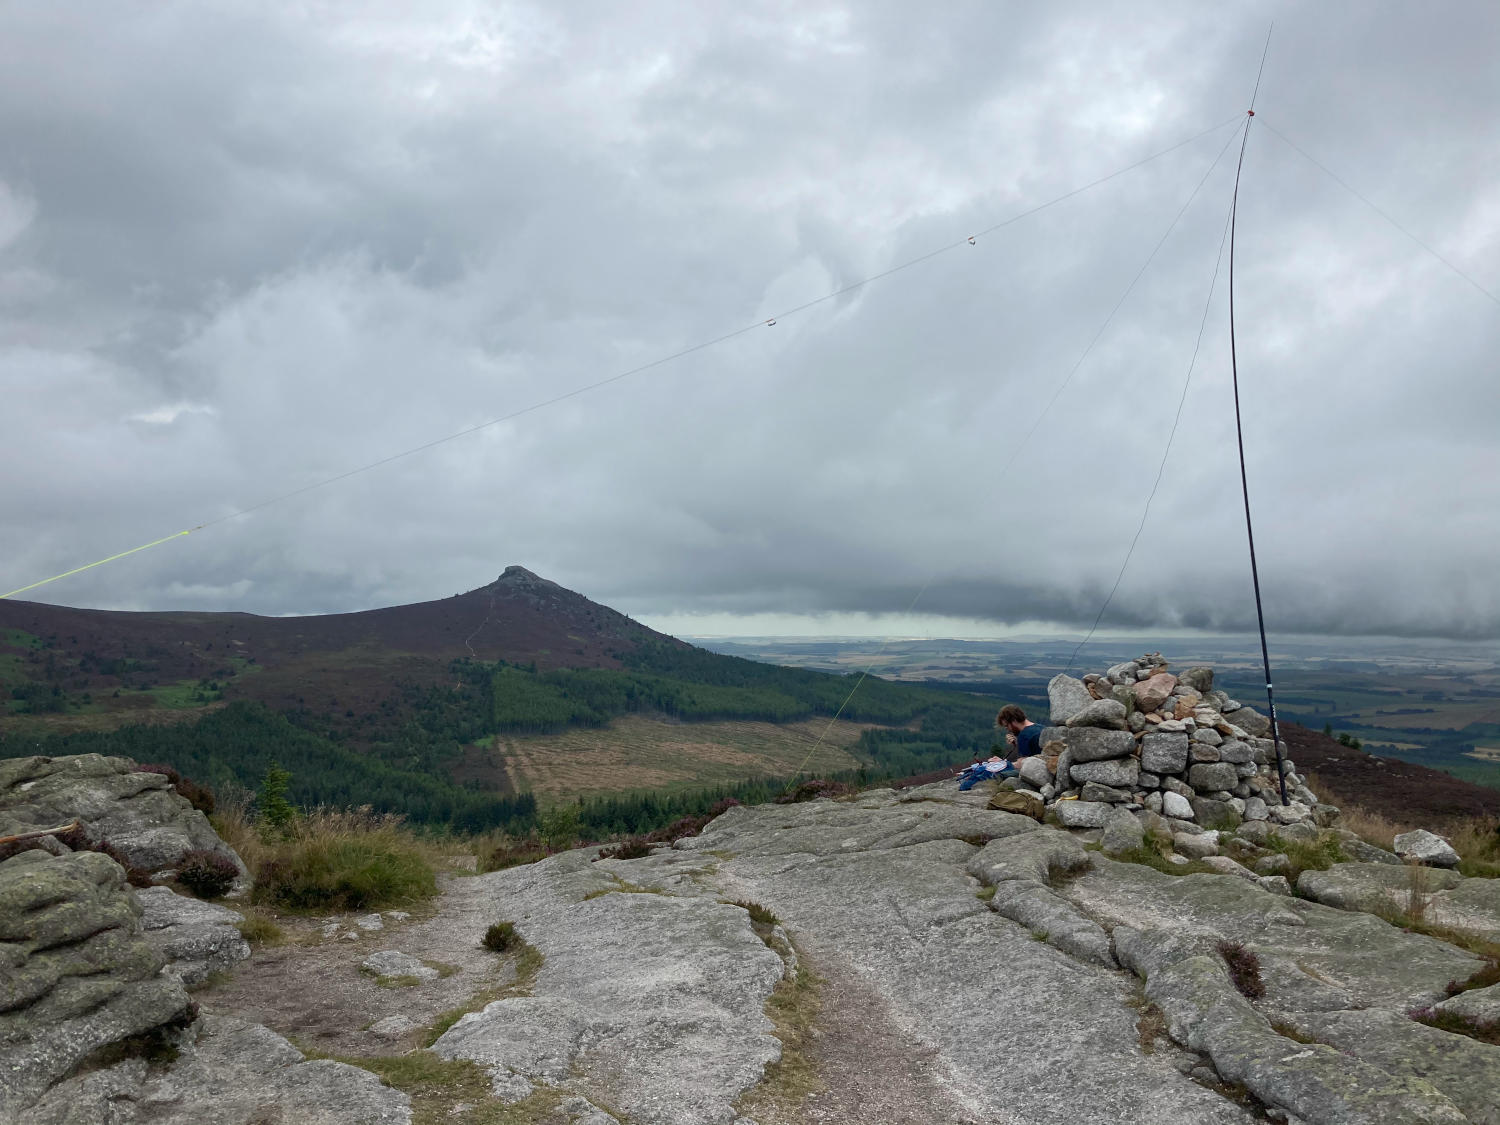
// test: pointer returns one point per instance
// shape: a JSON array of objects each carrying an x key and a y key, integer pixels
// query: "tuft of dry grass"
[
  {"x": 260, "y": 928},
  {"x": 793, "y": 1008},
  {"x": 334, "y": 859},
  {"x": 1476, "y": 839}
]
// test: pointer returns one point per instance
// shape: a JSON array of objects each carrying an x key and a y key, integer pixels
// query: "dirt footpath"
[{"x": 311, "y": 988}]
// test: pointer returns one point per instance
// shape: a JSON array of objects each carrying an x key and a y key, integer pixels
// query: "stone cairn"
[{"x": 1170, "y": 749}]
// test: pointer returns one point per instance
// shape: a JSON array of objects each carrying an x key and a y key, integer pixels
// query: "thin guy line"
[
  {"x": 1310, "y": 158},
  {"x": 1161, "y": 468},
  {"x": 576, "y": 391},
  {"x": 1016, "y": 449}
]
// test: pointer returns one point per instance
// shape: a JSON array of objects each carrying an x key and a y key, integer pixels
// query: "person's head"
[{"x": 1011, "y": 718}]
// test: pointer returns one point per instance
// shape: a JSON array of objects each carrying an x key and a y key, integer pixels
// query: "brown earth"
[{"x": 312, "y": 990}]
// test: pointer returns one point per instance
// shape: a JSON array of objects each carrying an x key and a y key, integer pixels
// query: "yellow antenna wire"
[{"x": 100, "y": 562}]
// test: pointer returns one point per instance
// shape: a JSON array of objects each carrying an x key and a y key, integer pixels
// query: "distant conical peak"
[{"x": 519, "y": 576}]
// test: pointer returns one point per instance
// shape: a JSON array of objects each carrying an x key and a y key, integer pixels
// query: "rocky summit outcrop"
[
  {"x": 134, "y": 812},
  {"x": 78, "y": 973},
  {"x": 96, "y": 1025},
  {"x": 912, "y": 955},
  {"x": 1040, "y": 979},
  {"x": 228, "y": 1072},
  {"x": 1044, "y": 981}
]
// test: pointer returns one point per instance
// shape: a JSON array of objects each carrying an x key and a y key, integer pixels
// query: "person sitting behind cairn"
[
  {"x": 1024, "y": 736},
  {"x": 1025, "y": 739}
]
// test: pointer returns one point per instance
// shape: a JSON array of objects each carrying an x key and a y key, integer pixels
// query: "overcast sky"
[{"x": 245, "y": 247}]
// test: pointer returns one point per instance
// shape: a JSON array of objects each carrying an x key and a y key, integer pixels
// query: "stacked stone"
[{"x": 1141, "y": 739}]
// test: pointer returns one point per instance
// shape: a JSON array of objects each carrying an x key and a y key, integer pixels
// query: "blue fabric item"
[{"x": 1029, "y": 741}]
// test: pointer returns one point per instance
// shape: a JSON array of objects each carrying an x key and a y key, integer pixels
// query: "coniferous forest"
[{"x": 403, "y": 764}]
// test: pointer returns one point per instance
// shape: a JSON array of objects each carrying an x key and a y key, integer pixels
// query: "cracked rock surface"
[
  {"x": 1030, "y": 1001},
  {"x": 228, "y": 1072},
  {"x": 137, "y": 812}
]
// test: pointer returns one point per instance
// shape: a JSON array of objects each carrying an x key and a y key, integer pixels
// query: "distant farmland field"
[{"x": 637, "y": 752}]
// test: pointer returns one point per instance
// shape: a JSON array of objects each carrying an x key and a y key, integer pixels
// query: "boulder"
[
  {"x": 1122, "y": 833},
  {"x": 1093, "y": 791},
  {"x": 1479, "y": 1006},
  {"x": 1198, "y": 846},
  {"x": 1163, "y": 753},
  {"x": 1117, "y": 773},
  {"x": 1082, "y": 814},
  {"x": 1237, "y": 752},
  {"x": 138, "y": 813},
  {"x": 1176, "y": 805},
  {"x": 1275, "y": 884},
  {"x": 1034, "y": 771},
  {"x": 197, "y": 938},
  {"x": 1062, "y": 779},
  {"x": 1152, "y": 692},
  {"x": 1107, "y": 713},
  {"x": 1210, "y": 777},
  {"x": 228, "y": 1072},
  {"x": 1223, "y": 865},
  {"x": 1256, "y": 831},
  {"x": 1252, "y": 722},
  {"x": 1289, "y": 813},
  {"x": 1177, "y": 785},
  {"x": 1200, "y": 679},
  {"x": 1373, "y": 888},
  {"x": 1422, "y": 846},
  {"x": 1067, "y": 697},
  {"x": 394, "y": 963},
  {"x": 79, "y": 977},
  {"x": 1215, "y": 814},
  {"x": 1091, "y": 744}
]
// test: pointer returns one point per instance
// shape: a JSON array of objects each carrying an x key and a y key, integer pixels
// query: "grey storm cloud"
[{"x": 248, "y": 247}]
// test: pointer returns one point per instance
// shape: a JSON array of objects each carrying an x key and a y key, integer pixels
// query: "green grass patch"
[
  {"x": 623, "y": 887},
  {"x": 260, "y": 929},
  {"x": 368, "y": 873},
  {"x": 1148, "y": 856},
  {"x": 402, "y": 981},
  {"x": 500, "y": 937},
  {"x": 182, "y": 695},
  {"x": 1307, "y": 855},
  {"x": 453, "y": 1092}
]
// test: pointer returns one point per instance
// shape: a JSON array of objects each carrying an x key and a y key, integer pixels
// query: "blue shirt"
[{"x": 1029, "y": 741}]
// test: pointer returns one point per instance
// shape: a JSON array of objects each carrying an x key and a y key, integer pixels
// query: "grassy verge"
[
  {"x": 1476, "y": 839},
  {"x": 793, "y": 1009},
  {"x": 1307, "y": 855},
  {"x": 455, "y": 1092},
  {"x": 260, "y": 929},
  {"x": 528, "y": 963},
  {"x": 1149, "y": 854}
]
